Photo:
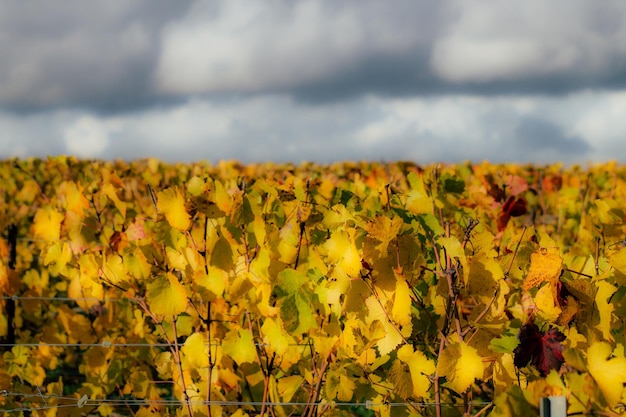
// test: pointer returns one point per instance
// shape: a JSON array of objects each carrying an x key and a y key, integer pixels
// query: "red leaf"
[
  {"x": 516, "y": 185},
  {"x": 503, "y": 220},
  {"x": 542, "y": 350},
  {"x": 512, "y": 207}
]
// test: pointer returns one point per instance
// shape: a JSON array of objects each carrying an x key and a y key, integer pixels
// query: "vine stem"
[
  {"x": 178, "y": 361},
  {"x": 508, "y": 270},
  {"x": 318, "y": 386},
  {"x": 266, "y": 372},
  {"x": 211, "y": 364},
  {"x": 173, "y": 346},
  {"x": 442, "y": 344}
]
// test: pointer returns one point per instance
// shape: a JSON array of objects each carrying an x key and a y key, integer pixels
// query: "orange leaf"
[{"x": 545, "y": 266}]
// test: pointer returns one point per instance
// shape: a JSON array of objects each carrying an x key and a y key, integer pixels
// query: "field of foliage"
[{"x": 354, "y": 289}]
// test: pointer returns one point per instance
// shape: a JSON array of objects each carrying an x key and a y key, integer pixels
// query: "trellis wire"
[{"x": 84, "y": 401}]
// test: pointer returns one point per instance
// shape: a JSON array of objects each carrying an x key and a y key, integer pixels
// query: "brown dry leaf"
[{"x": 545, "y": 266}]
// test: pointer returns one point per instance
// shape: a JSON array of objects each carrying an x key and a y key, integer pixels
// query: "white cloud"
[
  {"x": 490, "y": 40},
  {"x": 277, "y": 128},
  {"x": 86, "y": 137},
  {"x": 602, "y": 122},
  {"x": 182, "y": 125},
  {"x": 239, "y": 45}
]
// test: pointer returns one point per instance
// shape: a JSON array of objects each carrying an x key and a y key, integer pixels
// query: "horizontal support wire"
[
  {"x": 63, "y": 299},
  {"x": 105, "y": 344},
  {"x": 85, "y": 402},
  {"x": 108, "y": 344}
]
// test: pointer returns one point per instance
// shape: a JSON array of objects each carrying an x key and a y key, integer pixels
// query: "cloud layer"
[{"x": 314, "y": 80}]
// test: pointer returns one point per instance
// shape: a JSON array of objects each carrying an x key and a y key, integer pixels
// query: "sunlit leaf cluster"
[{"x": 277, "y": 289}]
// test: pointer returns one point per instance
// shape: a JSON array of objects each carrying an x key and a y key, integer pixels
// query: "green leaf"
[
  {"x": 290, "y": 280},
  {"x": 297, "y": 315},
  {"x": 504, "y": 344},
  {"x": 431, "y": 224},
  {"x": 452, "y": 184}
]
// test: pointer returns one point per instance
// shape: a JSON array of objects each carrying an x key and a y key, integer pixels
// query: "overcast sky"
[{"x": 323, "y": 81}]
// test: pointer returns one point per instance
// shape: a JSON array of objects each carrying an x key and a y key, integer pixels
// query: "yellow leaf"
[
  {"x": 618, "y": 260},
  {"x": 223, "y": 200},
  {"x": 287, "y": 247},
  {"x": 461, "y": 365},
  {"x": 401, "y": 311},
  {"x": 171, "y": 203},
  {"x": 455, "y": 250},
  {"x": 485, "y": 273},
  {"x": 504, "y": 373},
  {"x": 88, "y": 267},
  {"x": 389, "y": 336},
  {"x": 196, "y": 186},
  {"x": 545, "y": 266},
  {"x": 259, "y": 230},
  {"x": 137, "y": 264},
  {"x": 83, "y": 294},
  {"x": 605, "y": 308},
  {"x": 546, "y": 304},
  {"x": 418, "y": 201},
  {"x": 114, "y": 270},
  {"x": 239, "y": 346},
  {"x": 59, "y": 254},
  {"x": 166, "y": 296},
  {"x": 110, "y": 191},
  {"x": 343, "y": 253},
  {"x": 324, "y": 345},
  {"x": 72, "y": 197},
  {"x": 420, "y": 368},
  {"x": 384, "y": 229},
  {"x": 214, "y": 283},
  {"x": 274, "y": 337},
  {"x": 47, "y": 224},
  {"x": 346, "y": 388},
  {"x": 164, "y": 364},
  {"x": 288, "y": 386},
  {"x": 175, "y": 259},
  {"x": 195, "y": 352},
  {"x": 609, "y": 373}
]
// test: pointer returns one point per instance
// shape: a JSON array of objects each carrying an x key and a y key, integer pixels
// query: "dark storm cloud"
[
  {"x": 73, "y": 53},
  {"x": 136, "y": 54},
  {"x": 537, "y": 135},
  {"x": 326, "y": 51},
  {"x": 293, "y": 80}
]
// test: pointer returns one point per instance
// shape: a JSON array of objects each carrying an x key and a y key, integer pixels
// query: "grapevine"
[{"x": 144, "y": 288}]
